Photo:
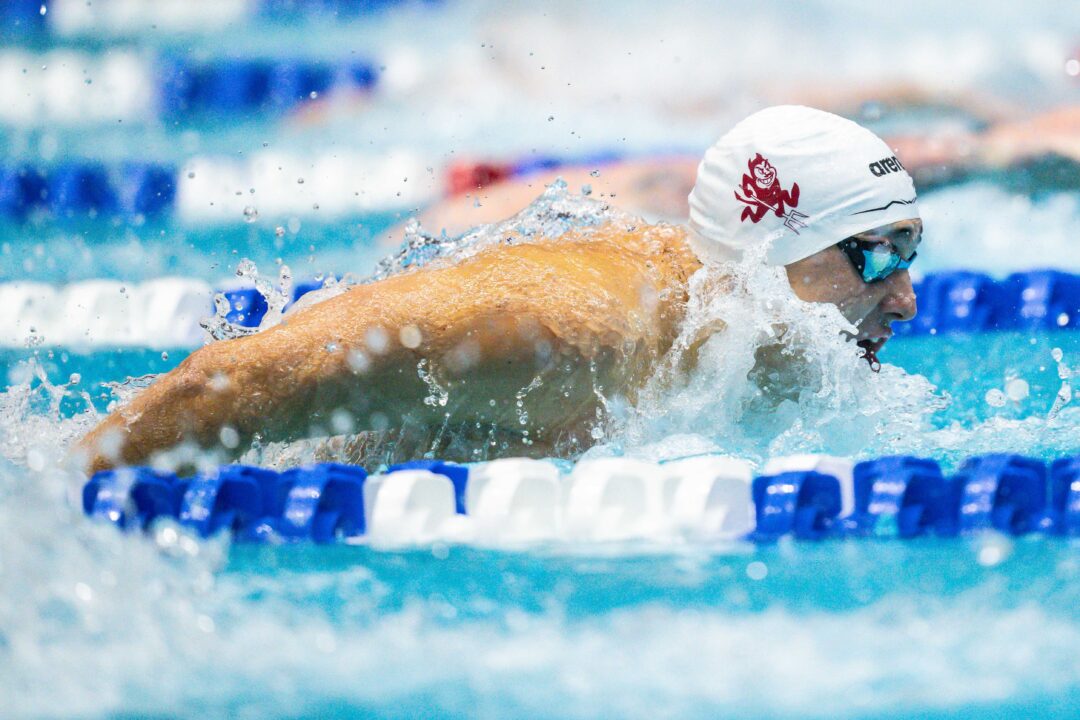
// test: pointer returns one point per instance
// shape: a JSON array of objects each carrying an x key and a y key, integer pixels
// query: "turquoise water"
[
  {"x": 100, "y": 625},
  {"x": 964, "y": 628}
]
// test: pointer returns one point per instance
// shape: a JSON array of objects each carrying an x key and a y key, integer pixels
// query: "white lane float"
[
  {"x": 710, "y": 496},
  {"x": 615, "y": 499},
  {"x": 408, "y": 506},
  {"x": 514, "y": 498}
]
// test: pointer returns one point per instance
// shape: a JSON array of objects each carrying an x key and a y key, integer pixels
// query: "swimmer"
[
  {"x": 517, "y": 345},
  {"x": 652, "y": 188}
]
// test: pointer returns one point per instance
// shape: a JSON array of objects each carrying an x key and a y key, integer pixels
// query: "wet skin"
[
  {"x": 549, "y": 323},
  {"x": 553, "y": 324},
  {"x": 828, "y": 276}
]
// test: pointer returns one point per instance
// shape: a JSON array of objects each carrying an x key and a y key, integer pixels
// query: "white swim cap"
[{"x": 798, "y": 178}]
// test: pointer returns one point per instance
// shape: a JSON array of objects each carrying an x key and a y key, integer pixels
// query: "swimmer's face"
[
  {"x": 829, "y": 277},
  {"x": 764, "y": 174}
]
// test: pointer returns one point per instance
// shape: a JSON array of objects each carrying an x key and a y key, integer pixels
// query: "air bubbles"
[
  {"x": 279, "y": 231},
  {"x": 995, "y": 398},
  {"x": 1072, "y": 67},
  {"x": 251, "y": 214}
]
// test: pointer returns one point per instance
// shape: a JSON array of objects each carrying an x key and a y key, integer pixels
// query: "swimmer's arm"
[{"x": 357, "y": 352}]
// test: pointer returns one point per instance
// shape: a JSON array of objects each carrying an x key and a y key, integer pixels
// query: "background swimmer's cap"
[{"x": 798, "y": 178}]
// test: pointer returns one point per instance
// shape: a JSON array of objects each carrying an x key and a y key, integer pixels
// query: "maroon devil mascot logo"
[{"x": 761, "y": 192}]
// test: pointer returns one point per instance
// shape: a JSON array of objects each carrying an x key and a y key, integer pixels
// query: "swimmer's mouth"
[{"x": 870, "y": 347}]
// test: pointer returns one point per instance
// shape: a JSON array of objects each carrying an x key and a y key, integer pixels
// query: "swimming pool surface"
[{"x": 99, "y": 624}]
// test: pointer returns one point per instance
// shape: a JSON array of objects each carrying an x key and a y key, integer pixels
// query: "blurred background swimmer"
[{"x": 524, "y": 340}]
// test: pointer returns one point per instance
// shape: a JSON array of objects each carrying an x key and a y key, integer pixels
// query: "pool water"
[{"x": 98, "y": 624}]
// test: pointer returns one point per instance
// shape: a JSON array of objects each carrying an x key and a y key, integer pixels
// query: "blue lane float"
[
  {"x": 903, "y": 492},
  {"x": 949, "y": 303},
  {"x": 239, "y": 86},
  {"x": 894, "y": 497},
  {"x": 76, "y": 190}
]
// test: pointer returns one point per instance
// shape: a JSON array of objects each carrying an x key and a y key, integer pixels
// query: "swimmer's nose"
[{"x": 899, "y": 303}]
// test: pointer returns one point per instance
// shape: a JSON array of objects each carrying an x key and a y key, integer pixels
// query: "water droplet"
[
  {"x": 995, "y": 398},
  {"x": 191, "y": 175},
  {"x": 757, "y": 570},
  {"x": 299, "y": 181},
  {"x": 341, "y": 420},
  {"x": 279, "y": 231},
  {"x": 251, "y": 214},
  {"x": 43, "y": 9},
  {"x": 165, "y": 356},
  {"x": 1057, "y": 354},
  {"x": 550, "y": 118},
  {"x": 229, "y": 437},
  {"x": 410, "y": 336},
  {"x": 1017, "y": 389}
]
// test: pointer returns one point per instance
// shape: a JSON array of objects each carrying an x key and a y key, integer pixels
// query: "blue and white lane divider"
[
  {"x": 807, "y": 497},
  {"x": 166, "y": 313},
  {"x": 219, "y": 190},
  {"x": 67, "y": 87},
  {"x": 24, "y": 18},
  {"x": 246, "y": 86}
]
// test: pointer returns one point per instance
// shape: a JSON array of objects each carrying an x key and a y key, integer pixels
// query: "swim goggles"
[{"x": 873, "y": 260}]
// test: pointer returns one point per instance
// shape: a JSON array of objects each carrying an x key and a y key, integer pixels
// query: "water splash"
[
  {"x": 554, "y": 213},
  {"x": 757, "y": 373},
  {"x": 1065, "y": 392}
]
